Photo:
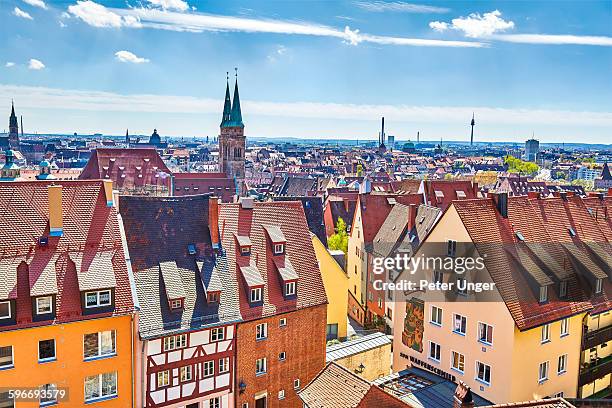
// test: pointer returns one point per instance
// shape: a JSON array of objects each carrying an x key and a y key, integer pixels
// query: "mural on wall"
[{"x": 412, "y": 335}]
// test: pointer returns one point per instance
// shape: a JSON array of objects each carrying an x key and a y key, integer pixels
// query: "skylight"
[{"x": 520, "y": 236}]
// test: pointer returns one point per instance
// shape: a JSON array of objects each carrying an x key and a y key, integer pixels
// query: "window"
[
  {"x": 46, "y": 350},
  {"x": 245, "y": 250},
  {"x": 282, "y": 356},
  {"x": 260, "y": 366},
  {"x": 332, "y": 331},
  {"x": 282, "y": 322},
  {"x": 163, "y": 378},
  {"x": 281, "y": 394},
  {"x": 217, "y": 334},
  {"x": 438, "y": 276},
  {"x": 598, "y": 285},
  {"x": 279, "y": 249},
  {"x": 296, "y": 383},
  {"x": 48, "y": 395},
  {"x": 44, "y": 305},
  {"x": 562, "y": 365},
  {"x": 99, "y": 344},
  {"x": 290, "y": 288},
  {"x": 564, "y": 327},
  {"x": 451, "y": 248},
  {"x": 563, "y": 289},
  {"x": 176, "y": 304},
  {"x": 98, "y": 298},
  {"x": 261, "y": 331},
  {"x": 6, "y": 357},
  {"x": 245, "y": 405},
  {"x": 5, "y": 310},
  {"x": 436, "y": 316},
  {"x": 101, "y": 386},
  {"x": 485, "y": 333},
  {"x": 212, "y": 297},
  {"x": 543, "y": 294},
  {"x": 214, "y": 402},
  {"x": 434, "y": 351},
  {"x": 459, "y": 324},
  {"x": 545, "y": 333},
  {"x": 6, "y": 400},
  {"x": 208, "y": 368},
  {"x": 543, "y": 372},
  {"x": 175, "y": 342},
  {"x": 255, "y": 295},
  {"x": 483, "y": 372},
  {"x": 458, "y": 361},
  {"x": 186, "y": 373},
  {"x": 223, "y": 365}
]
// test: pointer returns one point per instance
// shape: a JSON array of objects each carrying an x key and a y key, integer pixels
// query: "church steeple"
[
  {"x": 227, "y": 107},
  {"x": 236, "y": 114},
  {"x": 13, "y": 129}
]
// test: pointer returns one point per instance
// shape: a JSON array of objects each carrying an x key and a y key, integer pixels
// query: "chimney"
[
  {"x": 55, "y": 211},
  {"x": 501, "y": 201},
  {"x": 475, "y": 188},
  {"x": 463, "y": 396},
  {"x": 563, "y": 195},
  {"x": 213, "y": 221},
  {"x": 108, "y": 192},
  {"x": 412, "y": 213}
]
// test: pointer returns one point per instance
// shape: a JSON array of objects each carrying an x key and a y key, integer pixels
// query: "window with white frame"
[
  {"x": 99, "y": 344},
  {"x": 290, "y": 288},
  {"x": 459, "y": 324},
  {"x": 485, "y": 333},
  {"x": 100, "y": 386},
  {"x": 261, "y": 331},
  {"x": 214, "y": 402},
  {"x": 48, "y": 395},
  {"x": 6, "y": 357},
  {"x": 562, "y": 289},
  {"x": 543, "y": 372},
  {"x": 543, "y": 294},
  {"x": 255, "y": 295},
  {"x": 46, "y": 350},
  {"x": 208, "y": 368},
  {"x": 296, "y": 383},
  {"x": 436, "y": 315},
  {"x": 434, "y": 351},
  {"x": 562, "y": 364},
  {"x": 545, "y": 337},
  {"x": 217, "y": 334},
  {"x": 598, "y": 285},
  {"x": 483, "y": 372},
  {"x": 281, "y": 394},
  {"x": 564, "y": 327},
  {"x": 98, "y": 298},
  {"x": 451, "y": 249},
  {"x": 186, "y": 373},
  {"x": 282, "y": 356},
  {"x": 279, "y": 249},
  {"x": 176, "y": 304},
  {"x": 260, "y": 366},
  {"x": 5, "y": 310},
  {"x": 175, "y": 342},
  {"x": 458, "y": 361},
  {"x": 223, "y": 365},
  {"x": 163, "y": 378},
  {"x": 44, "y": 305},
  {"x": 282, "y": 322}
]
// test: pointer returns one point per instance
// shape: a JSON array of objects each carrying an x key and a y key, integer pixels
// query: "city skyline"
[{"x": 524, "y": 69}]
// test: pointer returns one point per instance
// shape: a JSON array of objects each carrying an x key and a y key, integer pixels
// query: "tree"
[
  {"x": 516, "y": 165},
  {"x": 339, "y": 240}
]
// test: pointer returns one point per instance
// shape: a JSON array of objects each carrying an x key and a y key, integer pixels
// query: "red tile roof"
[
  {"x": 376, "y": 207},
  {"x": 217, "y": 184},
  {"x": 90, "y": 230},
  {"x": 448, "y": 190},
  {"x": 289, "y": 217}
]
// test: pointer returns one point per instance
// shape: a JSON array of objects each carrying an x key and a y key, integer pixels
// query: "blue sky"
[{"x": 312, "y": 68}]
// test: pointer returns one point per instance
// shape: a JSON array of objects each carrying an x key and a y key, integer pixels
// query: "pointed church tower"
[
  {"x": 232, "y": 142},
  {"x": 13, "y": 137}
]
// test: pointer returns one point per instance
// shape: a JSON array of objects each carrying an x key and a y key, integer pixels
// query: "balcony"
[
  {"x": 597, "y": 337},
  {"x": 594, "y": 370}
]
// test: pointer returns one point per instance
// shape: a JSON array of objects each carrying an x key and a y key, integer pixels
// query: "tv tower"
[{"x": 472, "y": 135}]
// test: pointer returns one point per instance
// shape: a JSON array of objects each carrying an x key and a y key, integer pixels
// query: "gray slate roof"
[
  {"x": 356, "y": 346},
  {"x": 172, "y": 280}
]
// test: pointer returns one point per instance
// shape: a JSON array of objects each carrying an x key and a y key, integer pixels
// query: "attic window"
[
  {"x": 290, "y": 288},
  {"x": 256, "y": 295},
  {"x": 213, "y": 297},
  {"x": 562, "y": 289},
  {"x": 279, "y": 249},
  {"x": 176, "y": 304},
  {"x": 191, "y": 248},
  {"x": 598, "y": 285},
  {"x": 520, "y": 236},
  {"x": 571, "y": 232},
  {"x": 461, "y": 194},
  {"x": 245, "y": 250},
  {"x": 543, "y": 294}
]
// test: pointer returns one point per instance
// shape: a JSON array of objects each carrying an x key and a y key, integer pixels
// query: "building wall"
[
  {"x": 69, "y": 370},
  {"x": 336, "y": 284},
  {"x": 355, "y": 265},
  {"x": 376, "y": 361},
  {"x": 596, "y": 322},
  {"x": 232, "y": 138},
  {"x": 303, "y": 341}
]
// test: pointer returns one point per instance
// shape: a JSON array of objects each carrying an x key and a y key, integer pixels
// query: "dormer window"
[
  {"x": 562, "y": 289},
  {"x": 191, "y": 248},
  {"x": 290, "y": 288},
  {"x": 44, "y": 305},
  {"x": 279, "y": 249},
  {"x": 598, "y": 285},
  {"x": 543, "y": 294},
  {"x": 213, "y": 297},
  {"x": 5, "y": 310},
  {"x": 176, "y": 304},
  {"x": 256, "y": 295},
  {"x": 245, "y": 250},
  {"x": 98, "y": 298}
]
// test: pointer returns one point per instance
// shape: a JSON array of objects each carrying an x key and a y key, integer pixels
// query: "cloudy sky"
[{"x": 312, "y": 69}]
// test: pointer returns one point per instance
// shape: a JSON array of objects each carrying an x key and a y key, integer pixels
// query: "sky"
[{"x": 312, "y": 69}]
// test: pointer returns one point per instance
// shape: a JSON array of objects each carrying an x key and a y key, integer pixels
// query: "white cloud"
[
  {"x": 179, "y": 5},
  {"x": 126, "y": 56},
  {"x": 399, "y": 6},
  {"x": 22, "y": 14},
  {"x": 96, "y": 101},
  {"x": 97, "y": 15},
  {"x": 35, "y": 64},
  {"x": 278, "y": 52},
  {"x": 36, "y": 3},
  {"x": 62, "y": 24},
  {"x": 65, "y": 15},
  {"x": 551, "y": 39},
  {"x": 476, "y": 25},
  {"x": 9, "y": 64}
]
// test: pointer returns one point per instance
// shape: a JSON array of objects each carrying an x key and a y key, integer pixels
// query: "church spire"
[
  {"x": 236, "y": 114},
  {"x": 227, "y": 107}
]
